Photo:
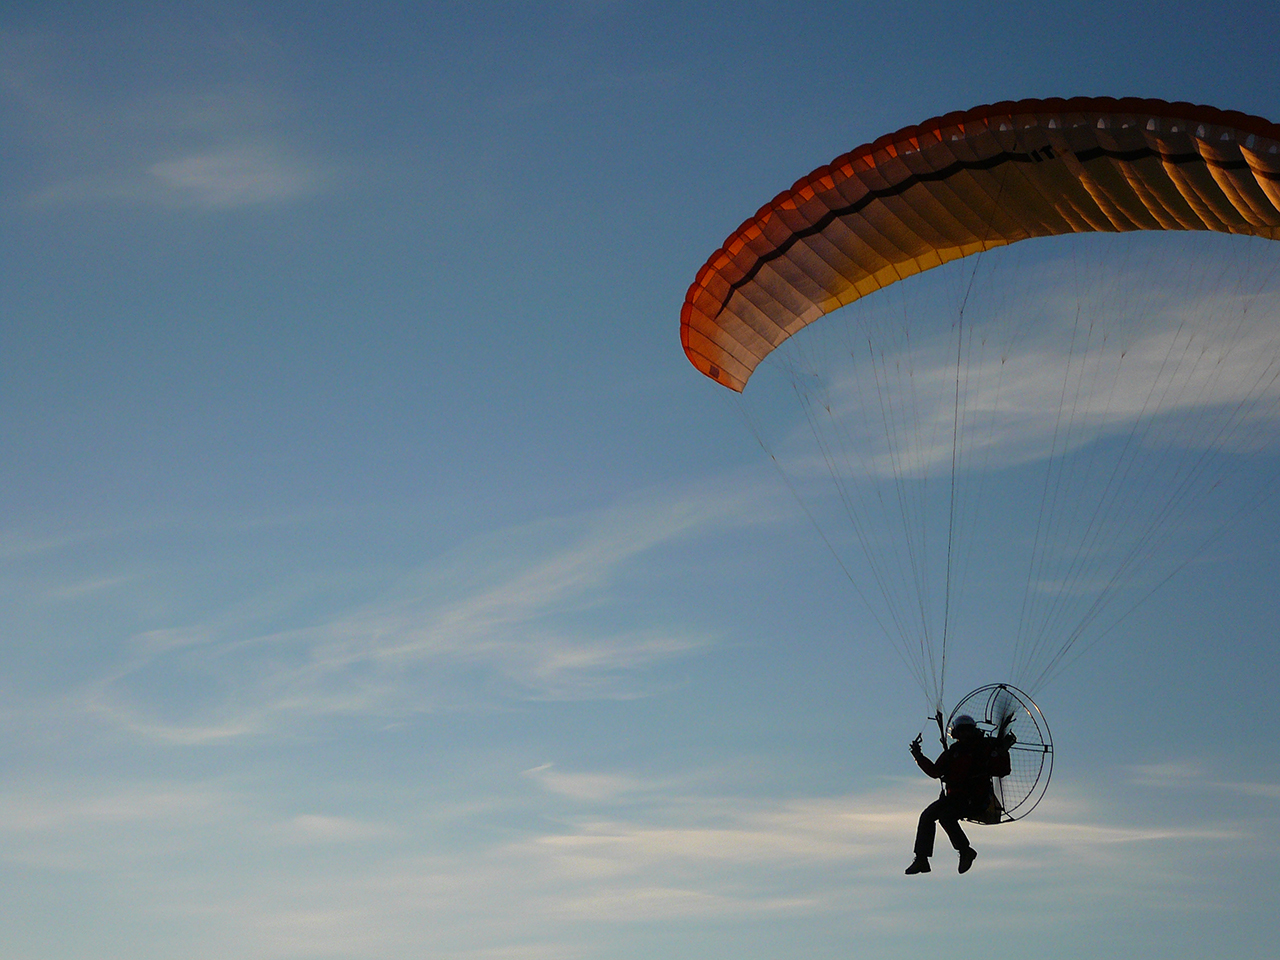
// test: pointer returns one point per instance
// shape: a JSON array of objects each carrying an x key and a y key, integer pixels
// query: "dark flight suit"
[{"x": 965, "y": 768}]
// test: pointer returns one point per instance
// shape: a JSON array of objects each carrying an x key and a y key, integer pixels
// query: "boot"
[
  {"x": 918, "y": 865},
  {"x": 967, "y": 856}
]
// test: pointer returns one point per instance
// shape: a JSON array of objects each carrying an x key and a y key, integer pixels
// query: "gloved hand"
[
  {"x": 915, "y": 747},
  {"x": 1008, "y": 740}
]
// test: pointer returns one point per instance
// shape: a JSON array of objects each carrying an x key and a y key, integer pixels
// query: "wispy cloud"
[
  {"x": 531, "y": 614},
  {"x": 1192, "y": 778},
  {"x": 1179, "y": 775},
  {"x": 221, "y": 176},
  {"x": 51, "y": 809},
  {"x": 236, "y": 177},
  {"x": 214, "y": 142},
  {"x": 1173, "y": 367},
  {"x": 586, "y": 787},
  {"x": 87, "y": 588},
  {"x": 716, "y": 857},
  {"x": 1268, "y": 791},
  {"x": 313, "y": 828},
  {"x": 87, "y": 827}
]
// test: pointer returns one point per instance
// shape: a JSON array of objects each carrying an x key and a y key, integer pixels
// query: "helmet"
[{"x": 964, "y": 720}]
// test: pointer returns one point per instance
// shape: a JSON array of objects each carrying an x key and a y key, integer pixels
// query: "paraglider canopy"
[{"x": 968, "y": 182}]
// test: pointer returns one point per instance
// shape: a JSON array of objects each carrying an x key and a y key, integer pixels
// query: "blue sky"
[{"x": 381, "y": 581}]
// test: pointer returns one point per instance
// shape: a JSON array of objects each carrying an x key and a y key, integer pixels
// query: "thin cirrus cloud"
[
  {"x": 220, "y": 177},
  {"x": 727, "y": 858},
  {"x": 1014, "y": 406},
  {"x": 585, "y": 787},
  {"x": 211, "y": 145},
  {"x": 1194, "y": 777},
  {"x": 1058, "y": 365},
  {"x": 528, "y": 615},
  {"x": 232, "y": 177},
  {"x": 627, "y": 849}
]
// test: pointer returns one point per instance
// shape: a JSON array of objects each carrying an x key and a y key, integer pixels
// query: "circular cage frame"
[{"x": 1031, "y": 754}]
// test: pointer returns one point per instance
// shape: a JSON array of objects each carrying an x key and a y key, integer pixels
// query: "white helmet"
[{"x": 964, "y": 720}]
